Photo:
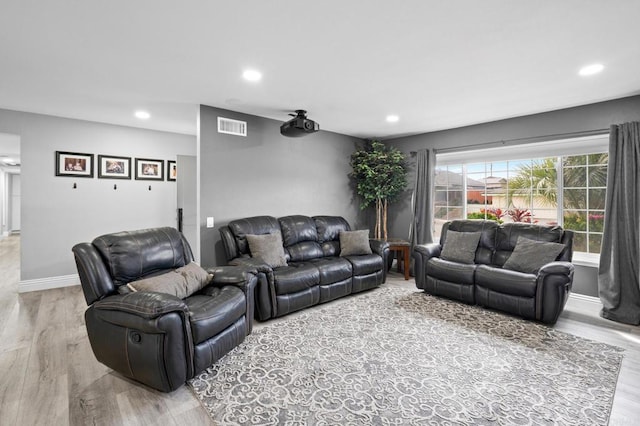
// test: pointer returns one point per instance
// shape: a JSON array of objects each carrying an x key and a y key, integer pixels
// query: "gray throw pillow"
[
  {"x": 354, "y": 243},
  {"x": 460, "y": 246},
  {"x": 268, "y": 247},
  {"x": 181, "y": 282},
  {"x": 529, "y": 255}
]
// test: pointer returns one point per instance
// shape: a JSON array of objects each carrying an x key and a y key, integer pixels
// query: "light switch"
[{"x": 210, "y": 222}]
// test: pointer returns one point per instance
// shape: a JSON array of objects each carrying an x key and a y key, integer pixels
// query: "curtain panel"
[
  {"x": 618, "y": 273},
  {"x": 422, "y": 200}
]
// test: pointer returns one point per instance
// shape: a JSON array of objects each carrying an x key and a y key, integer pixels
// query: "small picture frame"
[
  {"x": 147, "y": 169},
  {"x": 74, "y": 164},
  {"x": 172, "y": 171},
  {"x": 111, "y": 167}
]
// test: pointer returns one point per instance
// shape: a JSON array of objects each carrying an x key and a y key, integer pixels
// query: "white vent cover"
[{"x": 232, "y": 127}]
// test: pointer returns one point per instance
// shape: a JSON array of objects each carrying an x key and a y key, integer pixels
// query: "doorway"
[
  {"x": 188, "y": 200},
  {"x": 10, "y": 206}
]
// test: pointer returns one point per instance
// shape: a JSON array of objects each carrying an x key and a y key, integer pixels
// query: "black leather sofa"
[
  {"x": 536, "y": 294},
  {"x": 314, "y": 272},
  {"x": 155, "y": 338}
]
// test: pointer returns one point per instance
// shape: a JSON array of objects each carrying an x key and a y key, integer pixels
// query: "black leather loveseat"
[
  {"x": 138, "y": 323},
  {"x": 313, "y": 267},
  {"x": 520, "y": 268}
]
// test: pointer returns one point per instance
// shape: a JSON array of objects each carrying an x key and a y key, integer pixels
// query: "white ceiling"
[{"x": 436, "y": 64}]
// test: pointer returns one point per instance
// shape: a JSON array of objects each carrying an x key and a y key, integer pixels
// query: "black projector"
[{"x": 299, "y": 125}]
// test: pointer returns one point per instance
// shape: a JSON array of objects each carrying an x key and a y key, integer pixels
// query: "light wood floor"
[{"x": 48, "y": 374}]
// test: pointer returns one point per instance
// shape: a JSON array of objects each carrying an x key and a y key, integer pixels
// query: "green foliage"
[
  {"x": 541, "y": 179},
  {"x": 487, "y": 214},
  {"x": 538, "y": 178},
  {"x": 380, "y": 172}
]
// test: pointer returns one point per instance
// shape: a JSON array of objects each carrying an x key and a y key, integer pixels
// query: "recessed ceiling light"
[
  {"x": 142, "y": 115},
  {"x": 392, "y": 118},
  {"x": 8, "y": 160},
  {"x": 591, "y": 69},
  {"x": 252, "y": 75}
]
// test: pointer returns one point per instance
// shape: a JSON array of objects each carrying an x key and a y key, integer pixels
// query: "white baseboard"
[
  {"x": 48, "y": 283},
  {"x": 585, "y": 303}
]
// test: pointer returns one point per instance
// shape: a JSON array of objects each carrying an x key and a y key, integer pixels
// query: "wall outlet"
[{"x": 210, "y": 222}]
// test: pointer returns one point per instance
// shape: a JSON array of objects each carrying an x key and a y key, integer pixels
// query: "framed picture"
[
  {"x": 172, "y": 171},
  {"x": 74, "y": 164},
  {"x": 110, "y": 167},
  {"x": 147, "y": 169}
]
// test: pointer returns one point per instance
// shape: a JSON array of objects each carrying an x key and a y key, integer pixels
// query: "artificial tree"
[{"x": 380, "y": 174}]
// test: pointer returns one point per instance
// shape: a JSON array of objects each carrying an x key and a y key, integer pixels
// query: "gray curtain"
[
  {"x": 420, "y": 231},
  {"x": 618, "y": 275}
]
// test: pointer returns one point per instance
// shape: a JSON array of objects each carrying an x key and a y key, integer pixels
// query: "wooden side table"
[{"x": 402, "y": 248}]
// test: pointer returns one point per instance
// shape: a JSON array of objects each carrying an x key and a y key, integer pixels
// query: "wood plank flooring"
[{"x": 49, "y": 376}]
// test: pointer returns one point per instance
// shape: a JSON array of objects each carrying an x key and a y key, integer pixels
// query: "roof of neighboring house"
[{"x": 447, "y": 178}]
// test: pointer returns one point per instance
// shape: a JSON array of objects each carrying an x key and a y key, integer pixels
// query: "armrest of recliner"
[
  {"x": 263, "y": 294},
  {"x": 140, "y": 334},
  {"x": 427, "y": 251},
  {"x": 421, "y": 255},
  {"x": 554, "y": 282},
  {"x": 379, "y": 246},
  {"x": 245, "y": 278},
  {"x": 239, "y": 276},
  {"x": 251, "y": 264},
  {"x": 144, "y": 304}
]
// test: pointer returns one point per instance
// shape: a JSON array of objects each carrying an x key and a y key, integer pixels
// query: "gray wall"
[
  {"x": 579, "y": 119},
  {"x": 55, "y": 216},
  {"x": 268, "y": 174}
]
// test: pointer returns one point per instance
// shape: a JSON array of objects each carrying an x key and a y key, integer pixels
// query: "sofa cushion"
[
  {"x": 528, "y": 256},
  {"x": 131, "y": 255},
  {"x": 300, "y": 237},
  {"x": 329, "y": 227},
  {"x": 365, "y": 264},
  {"x": 354, "y": 243},
  {"x": 215, "y": 311},
  {"x": 257, "y": 225},
  {"x": 267, "y": 247},
  {"x": 460, "y": 246},
  {"x": 450, "y": 271},
  {"x": 181, "y": 282},
  {"x": 332, "y": 269},
  {"x": 297, "y": 228},
  {"x": 305, "y": 250},
  {"x": 506, "y": 281},
  {"x": 487, "y": 243},
  {"x": 507, "y": 237},
  {"x": 295, "y": 277}
]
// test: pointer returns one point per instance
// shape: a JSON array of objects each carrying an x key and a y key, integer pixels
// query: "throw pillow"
[
  {"x": 181, "y": 282},
  {"x": 268, "y": 247},
  {"x": 354, "y": 243},
  {"x": 529, "y": 255},
  {"x": 460, "y": 246}
]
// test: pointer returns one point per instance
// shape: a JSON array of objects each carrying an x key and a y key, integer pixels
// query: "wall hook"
[
  {"x": 149, "y": 187},
  {"x": 115, "y": 186},
  {"x": 74, "y": 185}
]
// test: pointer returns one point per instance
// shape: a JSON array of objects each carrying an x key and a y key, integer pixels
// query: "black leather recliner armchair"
[{"x": 156, "y": 338}]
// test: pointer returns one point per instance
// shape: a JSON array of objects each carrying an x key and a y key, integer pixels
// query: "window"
[{"x": 567, "y": 188}]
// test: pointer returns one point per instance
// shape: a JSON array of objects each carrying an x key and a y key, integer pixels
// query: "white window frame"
[{"x": 592, "y": 144}]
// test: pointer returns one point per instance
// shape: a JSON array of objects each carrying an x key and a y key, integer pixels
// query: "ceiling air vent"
[{"x": 232, "y": 127}]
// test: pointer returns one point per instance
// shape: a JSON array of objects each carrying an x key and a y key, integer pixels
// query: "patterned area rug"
[{"x": 394, "y": 356}]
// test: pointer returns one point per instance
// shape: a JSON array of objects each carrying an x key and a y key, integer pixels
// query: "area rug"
[{"x": 393, "y": 356}]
